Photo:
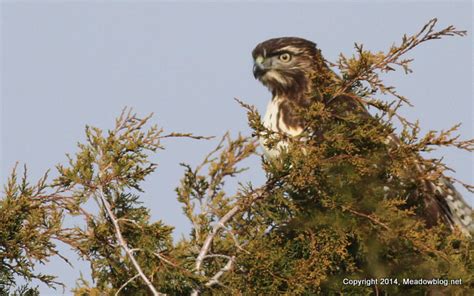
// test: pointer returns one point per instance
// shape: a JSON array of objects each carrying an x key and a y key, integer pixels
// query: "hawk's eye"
[{"x": 285, "y": 57}]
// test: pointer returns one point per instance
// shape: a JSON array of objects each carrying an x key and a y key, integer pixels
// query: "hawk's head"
[{"x": 285, "y": 65}]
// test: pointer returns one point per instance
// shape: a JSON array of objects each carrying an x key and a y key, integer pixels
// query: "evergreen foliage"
[{"x": 339, "y": 203}]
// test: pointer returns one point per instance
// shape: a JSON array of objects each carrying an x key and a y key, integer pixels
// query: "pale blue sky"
[{"x": 65, "y": 64}]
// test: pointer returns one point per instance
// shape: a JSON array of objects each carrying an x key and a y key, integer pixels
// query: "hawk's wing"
[{"x": 441, "y": 199}]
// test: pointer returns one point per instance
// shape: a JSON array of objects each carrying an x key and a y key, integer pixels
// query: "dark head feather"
[
  {"x": 293, "y": 79},
  {"x": 271, "y": 46}
]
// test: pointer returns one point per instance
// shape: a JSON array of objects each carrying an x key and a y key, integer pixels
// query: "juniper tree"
[{"x": 323, "y": 214}]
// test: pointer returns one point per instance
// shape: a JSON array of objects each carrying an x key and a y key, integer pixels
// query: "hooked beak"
[{"x": 259, "y": 68}]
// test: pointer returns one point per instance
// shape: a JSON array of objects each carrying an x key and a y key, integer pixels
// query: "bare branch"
[
  {"x": 217, "y": 256},
  {"x": 126, "y": 283},
  {"x": 123, "y": 243},
  {"x": 244, "y": 203},
  {"x": 395, "y": 52},
  {"x": 215, "y": 229},
  {"x": 186, "y": 135},
  {"x": 162, "y": 258},
  {"x": 374, "y": 220},
  {"x": 215, "y": 279}
]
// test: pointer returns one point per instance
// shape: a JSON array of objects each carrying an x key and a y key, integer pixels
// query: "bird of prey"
[{"x": 288, "y": 66}]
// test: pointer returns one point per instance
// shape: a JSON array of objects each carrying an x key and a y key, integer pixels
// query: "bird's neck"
[{"x": 318, "y": 85}]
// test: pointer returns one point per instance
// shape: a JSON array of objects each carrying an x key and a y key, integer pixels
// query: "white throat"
[{"x": 273, "y": 120}]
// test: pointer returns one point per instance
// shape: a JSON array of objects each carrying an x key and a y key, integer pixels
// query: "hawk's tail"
[{"x": 458, "y": 211}]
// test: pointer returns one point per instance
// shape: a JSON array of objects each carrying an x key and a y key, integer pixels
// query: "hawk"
[{"x": 288, "y": 66}]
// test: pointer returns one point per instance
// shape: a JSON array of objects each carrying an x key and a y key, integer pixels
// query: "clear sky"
[{"x": 65, "y": 64}]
